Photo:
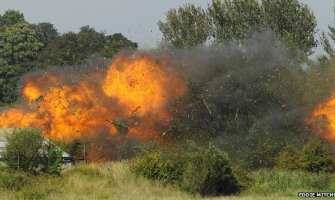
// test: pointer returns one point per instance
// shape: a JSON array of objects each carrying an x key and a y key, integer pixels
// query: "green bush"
[
  {"x": 205, "y": 171},
  {"x": 208, "y": 172},
  {"x": 158, "y": 166},
  {"x": 52, "y": 160},
  {"x": 244, "y": 179},
  {"x": 28, "y": 151},
  {"x": 317, "y": 157},
  {"x": 22, "y": 151},
  {"x": 288, "y": 158}
]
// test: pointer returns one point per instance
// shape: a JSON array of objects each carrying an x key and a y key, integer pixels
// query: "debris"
[
  {"x": 203, "y": 99},
  {"x": 121, "y": 125},
  {"x": 165, "y": 132}
]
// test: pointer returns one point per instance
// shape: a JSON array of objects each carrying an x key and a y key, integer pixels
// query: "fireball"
[{"x": 134, "y": 91}]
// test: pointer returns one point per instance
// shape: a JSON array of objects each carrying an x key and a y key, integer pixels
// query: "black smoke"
[{"x": 246, "y": 98}]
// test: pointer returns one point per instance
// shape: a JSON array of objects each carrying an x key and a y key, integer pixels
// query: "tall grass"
[
  {"x": 288, "y": 183},
  {"x": 115, "y": 180},
  {"x": 94, "y": 181}
]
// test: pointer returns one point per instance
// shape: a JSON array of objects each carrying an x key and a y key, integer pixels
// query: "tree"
[
  {"x": 46, "y": 32},
  {"x": 89, "y": 42},
  {"x": 235, "y": 20},
  {"x": 19, "y": 47},
  {"x": 289, "y": 19},
  {"x": 62, "y": 50},
  {"x": 73, "y": 48},
  {"x": 27, "y": 150},
  {"x": 115, "y": 43},
  {"x": 186, "y": 26},
  {"x": 19, "y": 44},
  {"x": 326, "y": 42},
  {"x": 9, "y": 76},
  {"x": 293, "y": 21},
  {"x": 11, "y": 17}
]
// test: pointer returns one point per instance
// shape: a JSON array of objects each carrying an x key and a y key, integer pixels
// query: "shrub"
[
  {"x": 204, "y": 171},
  {"x": 158, "y": 166},
  {"x": 52, "y": 160},
  {"x": 244, "y": 179},
  {"x": 22, "y": 150},
  {"x": 317, "y": 157},
  {"x": 28, "y": 151},
  {"x": 208, "y": 172},
  {"x": 288, "y": 158}
]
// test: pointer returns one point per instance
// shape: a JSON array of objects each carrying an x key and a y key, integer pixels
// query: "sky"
[{"x": 136, "y": 19}]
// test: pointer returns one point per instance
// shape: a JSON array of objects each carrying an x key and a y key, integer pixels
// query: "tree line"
[{"x": 237, "y": 20}]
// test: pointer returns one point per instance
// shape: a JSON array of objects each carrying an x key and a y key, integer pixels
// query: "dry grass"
[{"x": 105, "y": 181}]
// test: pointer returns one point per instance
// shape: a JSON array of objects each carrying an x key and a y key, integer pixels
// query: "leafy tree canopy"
[
  {"x": 293, "y": 21},
  {"x": 73, "y": 48},
  {"x": 19, "y": 43},
  {"x": 11, "y": 17},
  {"x": 19, "y": 47},
  {"x": 115, "y": 43},
  {"x": 326, "y": 41},
  {"x": 46, "y": 32},
  {"x": 236, "y": 20},
  {"x": 186, "y": 26}
]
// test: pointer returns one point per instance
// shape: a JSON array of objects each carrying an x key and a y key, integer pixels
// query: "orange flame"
[
  {"x": 136, "y": 90},
  {"x": 323, "y": 119}
]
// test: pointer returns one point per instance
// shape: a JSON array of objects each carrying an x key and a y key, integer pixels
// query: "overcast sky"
[{"x": 136, "y": 19}]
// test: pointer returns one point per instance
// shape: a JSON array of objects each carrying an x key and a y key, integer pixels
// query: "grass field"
[{"x": 116, "y": 181}]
